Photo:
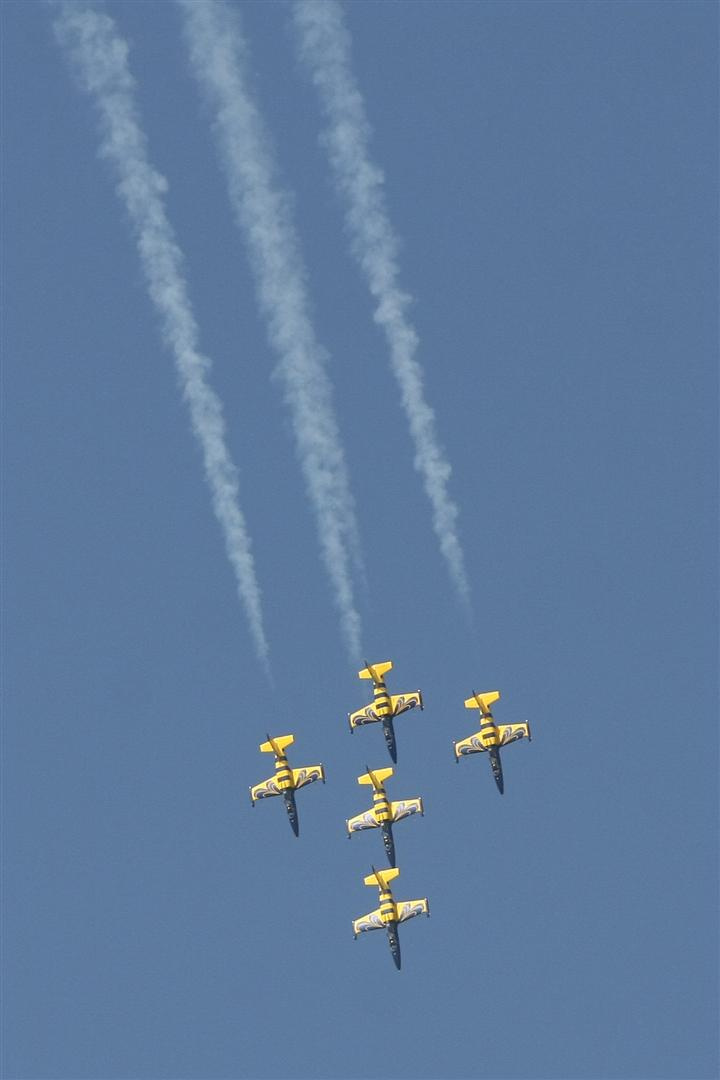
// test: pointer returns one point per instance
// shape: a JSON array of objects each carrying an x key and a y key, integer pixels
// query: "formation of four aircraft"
[{"x": 383, "y": 814}]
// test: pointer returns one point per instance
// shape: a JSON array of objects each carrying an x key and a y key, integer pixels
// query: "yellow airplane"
[
  {"x": 491, "y": 736},
  {"x": 389, "y": 914},
  {"x": 286, "y": 781},
  {"x": 384, "y": 707},
  {"x": 383, "y": 813}
]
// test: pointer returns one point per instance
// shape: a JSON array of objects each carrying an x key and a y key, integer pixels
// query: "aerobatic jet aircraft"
[
  {"x": 286, "y": 781},
  {"x": 384, "y": 707},
  {"x": 491, "y": 736},
  {"x": 383, "y": 813},
  {"x": 389, "y": 914}
]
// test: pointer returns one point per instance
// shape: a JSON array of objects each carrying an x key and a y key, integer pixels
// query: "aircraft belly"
[
  {"x": 389, "y": 843},
  {"x": 496, "y": 765},
  {"x": 389, "y": 733},
  {"x": 394, "y": 942}
]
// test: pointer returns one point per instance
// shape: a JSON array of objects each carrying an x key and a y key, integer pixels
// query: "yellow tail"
[
  {"x": 380, "y": 878},
  {"x": 277, "y": 745},
  {"x": 482, "y": 701},
  {"x": 375, "y": 776},
  {"x": 375, "y": 671}
]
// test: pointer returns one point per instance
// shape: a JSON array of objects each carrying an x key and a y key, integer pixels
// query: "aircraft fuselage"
[
  {"x": 394, "y": 943},
  {"x": 292, "y": 813},
  {"x": 284, "y": 777},
  {"x": 496, "y": 766},
  {"x": 387, "y": 914},
  {"x": 389, "y": 843}
]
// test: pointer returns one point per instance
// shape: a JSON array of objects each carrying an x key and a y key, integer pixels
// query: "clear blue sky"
[{"x": 551, "y": 170}]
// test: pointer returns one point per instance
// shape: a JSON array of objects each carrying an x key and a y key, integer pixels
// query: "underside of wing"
[
  {"x": 363, "y": 716},
  {"x": 408, "y": 909},
  {"x": 471, "y": 745},
  {"x": 512, "y": 732},
  {"x": 307, "y": 775},
  {"x": 371, "y": 921},
  {"x": 402, "y": 702},
  {"x": 265, "y": 789},
  {"x": 405, "y": 807},
  {"x": 366, "y": 820}
]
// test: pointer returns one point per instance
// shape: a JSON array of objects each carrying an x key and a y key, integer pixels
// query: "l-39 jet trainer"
[
  {"x": 389, "y": 914},
  {"x": 286, "y": 781},
  {"x": 491, "y": 736},
  {"x": 384, "y": 707},
  {"x": 382, "y": 813}
]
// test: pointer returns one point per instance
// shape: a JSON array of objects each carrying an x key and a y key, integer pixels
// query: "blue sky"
[{"x": 551, "y": 174}]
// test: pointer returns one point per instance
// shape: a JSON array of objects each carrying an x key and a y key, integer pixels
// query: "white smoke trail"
[
  {"x": 218, "y": 58},
  {"x": 100, "y": 57},
  {"x": 325, "y": 47}
]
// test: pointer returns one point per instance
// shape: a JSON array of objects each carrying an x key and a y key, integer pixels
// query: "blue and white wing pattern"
[
  {"x": 471, "y": 745},
  {"x": 371, "y": 921},
  {"x": 366, "y": 820},
  {"x": 363, "y": 716},
  {"x": 405, "y": 807},
  {"x": 408, "y": 909},
  {"x": 265, "y": 789},
  {"x": 511, "y": 732},
  {"x": 307, "y": 775},
  {"x": 402, "y": 702}
]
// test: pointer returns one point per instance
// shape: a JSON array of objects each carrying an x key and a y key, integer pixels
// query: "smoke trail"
[
  {"x": 218, "y": 57},
  {"x": 100, "y": 56},
  {"x": 325, "y": 47}
]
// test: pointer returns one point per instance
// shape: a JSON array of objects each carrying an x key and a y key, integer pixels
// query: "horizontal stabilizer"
[
  {"x": 380, "y": 878},
  {"x": 482, "y": 701},
  {"x": 277, "y": 745},
  {"x": 375, "y": 777},
  {"x": 375, "y": 671}
]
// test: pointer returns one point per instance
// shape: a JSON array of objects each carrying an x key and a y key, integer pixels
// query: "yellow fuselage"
[
  {"x": 489, "y": 735},
  {"x": 387, "y": 907},
  {"x": 283, "y": 773},
  {"x": 381, "y": 807},
  {"x": 382, "y": 703}
]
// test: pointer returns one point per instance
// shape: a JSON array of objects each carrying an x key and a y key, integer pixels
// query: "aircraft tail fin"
[
  {"x": 375, "y": 776},
  {"x": 482, "y": 701},
  {"x": 278, "y": 744},
  {"x": 380, "y": 878},
  {"x": 375, "y": 671}
]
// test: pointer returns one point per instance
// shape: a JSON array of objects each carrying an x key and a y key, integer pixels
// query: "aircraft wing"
[
  {"x": 307, "y": 775},
  {"x": 363, "y": 716},
  {"x": 402, "y": 702},
  {"x": 408, "y": 909},
  {"x": 471, "y": 745},
  {"x": 405, "y": 808},
  {"x": 366, "y": 820},
  {"x": 265, "y": 789},
  {"x": 511, "y": 732},
  {"x": 371, "y": 921}
]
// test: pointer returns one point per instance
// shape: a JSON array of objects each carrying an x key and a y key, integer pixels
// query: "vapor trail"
[
  {"x": 325, "y": 47},
  {"x": 100, "y": 58},
  {"x": 218, "y": 57}
]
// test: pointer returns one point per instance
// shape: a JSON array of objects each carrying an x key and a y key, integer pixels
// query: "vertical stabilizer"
[
  {"x": 375, "y": 671},
  {"x": 482, "y": 701},
  {"x": 376, "y": 777},
  {"x": 277, "y": 745},
  {"x": 380, "y": 878}
]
